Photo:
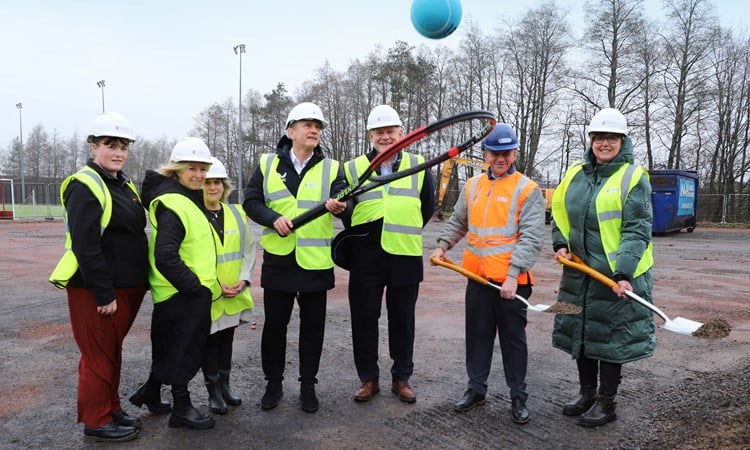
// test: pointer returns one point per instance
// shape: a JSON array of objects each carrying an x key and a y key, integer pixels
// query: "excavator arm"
[{"x": 445, "y": 177}]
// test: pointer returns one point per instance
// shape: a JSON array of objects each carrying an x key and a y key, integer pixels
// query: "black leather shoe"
[
  {"x": 470, "y": 401},
  {"x": 519, "y": 414},
  {"x": 272, "y": 396},
  {"x": 110, "y": 432},
  {"x": 308, "y": 399},
  {"x": 123, "y": 419}
]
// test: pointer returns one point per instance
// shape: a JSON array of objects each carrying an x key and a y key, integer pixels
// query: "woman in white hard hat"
[
  {"x": 235, "y": 259},
  {"x": 183, "y": 280},
  {"x": 105, "y": 273},
  {"x": 602, "y": 214}
]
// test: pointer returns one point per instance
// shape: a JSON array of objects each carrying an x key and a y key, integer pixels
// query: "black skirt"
[{"x": 179, "y": 330}]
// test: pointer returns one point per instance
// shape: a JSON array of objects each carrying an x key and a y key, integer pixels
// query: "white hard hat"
[
  {"x": 111, "y": 124},
  {"x": 191, "y": 149},
  {"x": 383, "y": 116},
  {"x": 217, "y": 169},
  {"x": 609, "y": 120},
  {"x": 306, "y": 111}
]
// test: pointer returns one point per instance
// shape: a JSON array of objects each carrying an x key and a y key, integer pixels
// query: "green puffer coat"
[{"x": 609, "y": 329}]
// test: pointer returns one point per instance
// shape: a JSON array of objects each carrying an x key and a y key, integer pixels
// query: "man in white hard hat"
[
  {"x": 297, "y": 263},
  {"x": 385, "y": 256}
]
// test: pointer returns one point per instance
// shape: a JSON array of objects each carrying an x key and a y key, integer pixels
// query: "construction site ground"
[{"x": 693, "y": 393}]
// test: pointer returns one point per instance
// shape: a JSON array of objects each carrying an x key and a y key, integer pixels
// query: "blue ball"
[{"x": 436, "y": 19}]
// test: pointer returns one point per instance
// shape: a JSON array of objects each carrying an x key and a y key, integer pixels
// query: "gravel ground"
[{"x": 692, "y": 394}]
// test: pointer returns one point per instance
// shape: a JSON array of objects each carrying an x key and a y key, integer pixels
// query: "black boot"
[
  {"x": 600, "y": 414},
  {"x": 582, "y": 403},
  {"x": 150, "y": 394},
  {"x": 588, "y": 370},
  {"x": 215, "y": 400},
  {"x": 273, "y": 394},
  {"x": 184, "y": 414},
  {"x": 308, "y": 399},
  {"x": 226, "y": 392}
]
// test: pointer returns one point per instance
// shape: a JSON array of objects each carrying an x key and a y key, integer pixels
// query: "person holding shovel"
[
  {"x": 602, "y": 214},
  {"x": 501, "y": 212}
]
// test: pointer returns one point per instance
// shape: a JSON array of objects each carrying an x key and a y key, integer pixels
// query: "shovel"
[
  {"x": 679, "y": 325},
  {"x": 481, "y": 280}
]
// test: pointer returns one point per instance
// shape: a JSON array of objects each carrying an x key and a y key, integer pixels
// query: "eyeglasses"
[{"x": 610, "y": 138}]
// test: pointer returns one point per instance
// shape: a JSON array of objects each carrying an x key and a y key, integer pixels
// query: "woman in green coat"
[{"x": 602, "y": 214}]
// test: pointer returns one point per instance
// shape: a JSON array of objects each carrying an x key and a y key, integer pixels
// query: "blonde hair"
[{"x": 172, "y": 169}]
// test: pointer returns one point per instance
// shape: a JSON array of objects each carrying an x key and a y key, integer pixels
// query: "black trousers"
[
  {"x": 219, "y": 352},
  {"x": 609, "y": 374},
  {"x": 277, "y": 306},
  {"x": 365, "y": 303},
  {"x": 489, "y": 315}
]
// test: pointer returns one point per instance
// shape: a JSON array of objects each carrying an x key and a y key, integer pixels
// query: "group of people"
[
  {"x": 601, "y": 214},
  {"x": 110, "y": 263}
]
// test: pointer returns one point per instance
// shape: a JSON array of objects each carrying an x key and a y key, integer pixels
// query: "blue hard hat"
[{"x": 502, "y": 138}]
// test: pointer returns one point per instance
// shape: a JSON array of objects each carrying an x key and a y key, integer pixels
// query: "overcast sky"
[{"x": 165, "y": 61}]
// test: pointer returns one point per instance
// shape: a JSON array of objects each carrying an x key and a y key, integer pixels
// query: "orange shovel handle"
[
  {"x": 579, "y": 265},
  {"x": 445, "y": 262}
]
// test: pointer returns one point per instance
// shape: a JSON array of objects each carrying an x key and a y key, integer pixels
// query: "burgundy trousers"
[{"x": 99, "y": 339}]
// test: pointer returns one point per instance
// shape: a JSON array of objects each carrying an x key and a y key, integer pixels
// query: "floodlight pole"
[
  {"x": 100, "y": 83},
  {"x": 239, "y": 49},
  {"x": 19, "y": 105}
]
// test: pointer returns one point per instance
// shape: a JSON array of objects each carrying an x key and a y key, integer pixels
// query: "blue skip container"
[{"x": 674, "y": 199}]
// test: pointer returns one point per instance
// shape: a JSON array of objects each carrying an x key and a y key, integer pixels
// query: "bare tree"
[
  {"x": 534, "y": 52},
  {"x": 691, "y": 31}
]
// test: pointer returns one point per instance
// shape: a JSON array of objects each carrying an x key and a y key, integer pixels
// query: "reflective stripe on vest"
[
  {"x": 68, "y": 264},
  {"x": 229, "y": 256},
  {"x": 312, "y": 241},
  {"x": 494, "y": 211},
  {"x": 609, "y": 203},
  {"x": 197, "y": 244},
  {"x": 398, "y": 203}
]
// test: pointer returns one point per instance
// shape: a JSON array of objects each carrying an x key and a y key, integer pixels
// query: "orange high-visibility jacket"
[{"x": 494, "y": 211}]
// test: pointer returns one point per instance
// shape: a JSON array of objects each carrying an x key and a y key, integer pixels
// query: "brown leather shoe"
[
  {"x": 367, "y": 391},
  {"x": 404, "y": 391}
]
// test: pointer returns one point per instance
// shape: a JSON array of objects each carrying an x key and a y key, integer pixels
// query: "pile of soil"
[
  {"x": 564, "y": 308},
  {"x": 707, "y": 411},
  {"x": 715, "y": 328}
]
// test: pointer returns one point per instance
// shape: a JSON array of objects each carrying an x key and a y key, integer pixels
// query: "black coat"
[
  {"x": 119, "y": 257},
  {"x": 180, "y": 325},
  {"x": 363, "y": 249},
  {"x": 282, "y": 272}
]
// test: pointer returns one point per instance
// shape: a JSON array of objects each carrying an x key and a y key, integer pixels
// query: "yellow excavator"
[{"x": 478, "y": 164}]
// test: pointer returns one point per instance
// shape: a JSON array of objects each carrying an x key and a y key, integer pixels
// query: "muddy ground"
[{"x": 694, "y": 393}]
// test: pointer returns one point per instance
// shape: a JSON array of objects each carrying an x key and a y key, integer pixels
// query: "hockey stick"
[{"x": 362, "y": 185}]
